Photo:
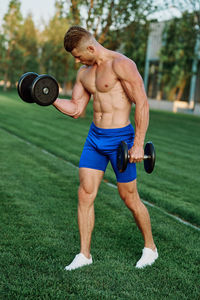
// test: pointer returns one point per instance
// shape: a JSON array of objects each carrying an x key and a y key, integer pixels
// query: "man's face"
[{"x": 83, "y": 56}]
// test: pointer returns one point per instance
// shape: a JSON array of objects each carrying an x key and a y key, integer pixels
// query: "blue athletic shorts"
[{"x": 101, "y": 147}]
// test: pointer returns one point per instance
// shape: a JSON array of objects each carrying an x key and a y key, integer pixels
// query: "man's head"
[
  {"x": 81, "y": 44},
  {"x": 75, "y": 36}
]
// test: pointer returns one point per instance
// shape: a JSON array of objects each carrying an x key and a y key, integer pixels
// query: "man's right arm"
[{"x": 80, "y": 98}]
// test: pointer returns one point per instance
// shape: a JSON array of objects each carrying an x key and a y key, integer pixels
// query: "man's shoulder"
[
  {"x": 81, "y": 71},
  {"x": 122, "y": 63},
  {"x": 120, "y": 59}
]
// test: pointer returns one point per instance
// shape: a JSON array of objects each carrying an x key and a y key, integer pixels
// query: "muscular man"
[{"x": 115, "y": 83}]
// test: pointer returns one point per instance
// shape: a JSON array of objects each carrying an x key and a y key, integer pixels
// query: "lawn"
[{"x": 40, "y": 149}]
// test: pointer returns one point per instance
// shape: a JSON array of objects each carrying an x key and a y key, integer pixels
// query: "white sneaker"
[
  {"x": 79, "y": 261},
  {"x": 148, "y": 258}
]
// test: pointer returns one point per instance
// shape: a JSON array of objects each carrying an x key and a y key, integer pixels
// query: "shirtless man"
[{"x": 115, "y": 84}]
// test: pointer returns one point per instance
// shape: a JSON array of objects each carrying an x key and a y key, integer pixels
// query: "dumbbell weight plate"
[
  {"x": 122, "y": 156},
  {"x": 24, "y": 86},
  {"x": 149, "y": 163},
  {"x": 44, "y": 90}
]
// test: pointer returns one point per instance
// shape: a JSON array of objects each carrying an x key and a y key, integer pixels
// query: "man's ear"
[{"x": 90, "y": 49}]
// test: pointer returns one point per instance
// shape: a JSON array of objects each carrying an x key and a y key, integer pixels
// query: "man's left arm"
[{"x": 133, "y": 86}]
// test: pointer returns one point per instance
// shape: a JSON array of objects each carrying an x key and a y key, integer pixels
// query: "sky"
[{"x": 40, "y": 9}]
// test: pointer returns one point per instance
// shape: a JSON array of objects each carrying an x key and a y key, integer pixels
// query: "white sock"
[
  {"x": 148, "y": 258},
  {"x": 79, "y": 261}
]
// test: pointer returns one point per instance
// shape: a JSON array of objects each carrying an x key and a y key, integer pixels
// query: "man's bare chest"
[{"x": 99, "y": 79}]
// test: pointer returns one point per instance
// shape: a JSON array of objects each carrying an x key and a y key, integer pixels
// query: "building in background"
[{"x": 152, "y": 76}]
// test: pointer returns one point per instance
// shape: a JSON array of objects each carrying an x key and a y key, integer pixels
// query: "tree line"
[
  {"x": 177, "y": 54},
  {"x": 24, "y": 47},
  {"x": 120, "y": 25}
]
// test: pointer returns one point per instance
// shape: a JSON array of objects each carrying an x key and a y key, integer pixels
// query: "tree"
[
  {"x": 176, "y": 55},
  {"x": 117, "y": 24},
  {"x": 101, "y": 17},
  {"x": 54, "y": 59},
  {"x": 190, "y": 6},
  {"x": 19, "y": 45},
  {"x": 134, "y": 43},
  {"x": 14, "y": 55},
  {"x": 28, "y": 42},
  {"x": 3, "y": 51}
]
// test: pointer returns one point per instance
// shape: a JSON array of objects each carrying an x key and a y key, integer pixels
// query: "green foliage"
[
  {"x": 134, "y": 41},
  {"x": 3, "y": 51},
  {"x": 110, "y": 15},
  {"x": 12, "y": 20},
  {"x": 29, "y": 45},
  {"x": 19, "y": 45},
  {"x": 13, "y": 58},
  {"x": 118, "y": 25},
  {"x": 54, "y": 59},
  {"x": 177, "y": 52},
  {"x": 114, "y": 23}
]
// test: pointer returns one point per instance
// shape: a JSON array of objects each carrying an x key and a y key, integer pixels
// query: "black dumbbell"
[
  {"x": 41, "y": 89},
  {"x": 149, "y": 157}
]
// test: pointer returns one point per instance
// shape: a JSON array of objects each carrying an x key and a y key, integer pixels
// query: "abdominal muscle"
[{"x": 111, "y": 109}]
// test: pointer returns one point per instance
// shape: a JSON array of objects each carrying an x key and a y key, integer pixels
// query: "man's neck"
[{"x": 103, "y": 55}]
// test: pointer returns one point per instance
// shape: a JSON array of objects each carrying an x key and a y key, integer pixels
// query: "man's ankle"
[
  {"x": 86, "y": 254},
  {"x": 150, "y": 246}
]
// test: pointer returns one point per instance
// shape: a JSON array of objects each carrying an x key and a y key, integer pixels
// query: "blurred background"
[{"x": 161, "y": 36}]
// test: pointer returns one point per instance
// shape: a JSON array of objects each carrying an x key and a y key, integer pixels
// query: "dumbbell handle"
[{"x": 145, "y": 156}]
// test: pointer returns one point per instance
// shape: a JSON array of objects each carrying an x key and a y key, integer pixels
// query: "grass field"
[{"x": 38, "y": 204}]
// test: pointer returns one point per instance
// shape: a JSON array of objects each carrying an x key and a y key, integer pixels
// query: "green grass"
[
  {"x": 38, "y": 211},
  {"x": 174, "y": 185}
]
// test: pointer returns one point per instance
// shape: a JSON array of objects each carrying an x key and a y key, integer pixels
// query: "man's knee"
[
  {"x": 86, "y": 194},
  {"x": 129, "y": 194},
  {"x": 127, "y": 190},
  {"x": 90, "y": 180}
]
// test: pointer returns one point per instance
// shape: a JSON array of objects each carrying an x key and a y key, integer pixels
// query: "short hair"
[{"x": 73, "y": 37}]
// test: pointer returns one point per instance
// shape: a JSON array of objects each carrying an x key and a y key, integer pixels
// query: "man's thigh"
[
  {"x": 128, "y": 191},
  {"x": 90, "y": 179},
  {"x": 128, "y": 175}
]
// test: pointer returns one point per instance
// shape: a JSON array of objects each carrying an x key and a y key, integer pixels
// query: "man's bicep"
[
  {"x": 79, "y": 91},
  {"x": 131, "y": 80},
  {"x": 80, "y": 97},
  {"x": 134, "y": 89}
]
